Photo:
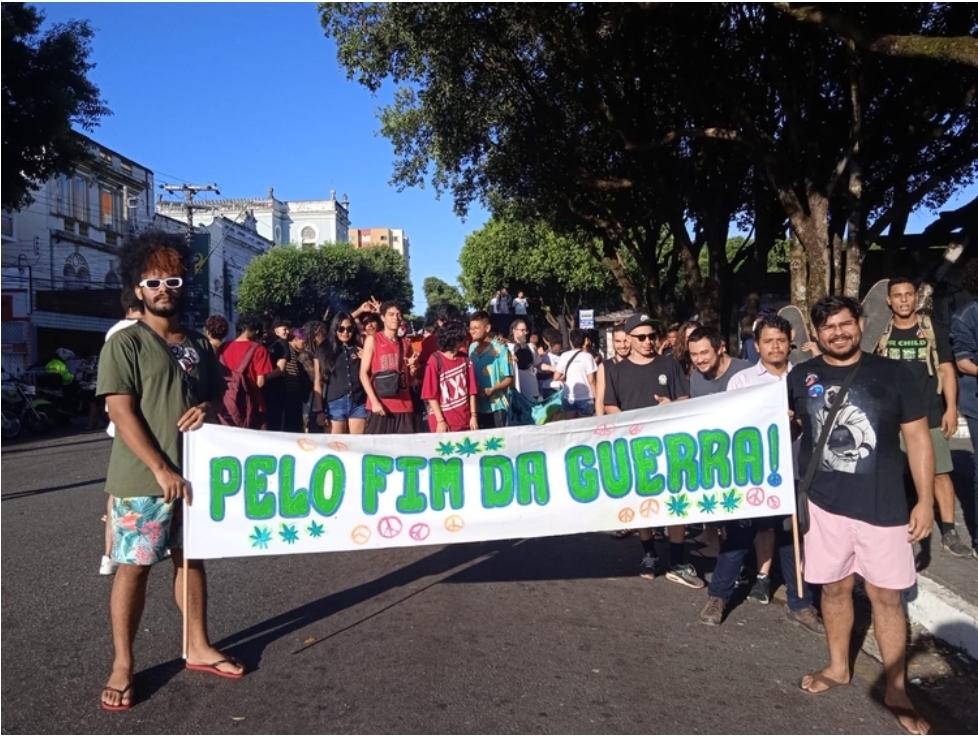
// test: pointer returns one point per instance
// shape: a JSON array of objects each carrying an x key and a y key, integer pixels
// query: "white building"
[
  {"x": 60, "y": 258},
  {"x": 306, "y": 222}
]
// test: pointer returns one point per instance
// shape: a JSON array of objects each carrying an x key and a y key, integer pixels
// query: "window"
[
  {"x": 112, "y": 280},
  {"x": 126, "y": 167},
  {"x": 110, "y": 204},
  {"x": 79, "y": 199},
  {"x": 76, "y": 272},
  {"x": 8, "y": 224},
  {"x": 308, "y": 235},
  {"x": 383, "y": 237}
]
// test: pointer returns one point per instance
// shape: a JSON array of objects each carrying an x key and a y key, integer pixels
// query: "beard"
[{"x": 172, "y": 308}]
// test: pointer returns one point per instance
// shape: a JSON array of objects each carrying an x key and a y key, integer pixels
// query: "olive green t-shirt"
[{"x": 166, "y": 383}]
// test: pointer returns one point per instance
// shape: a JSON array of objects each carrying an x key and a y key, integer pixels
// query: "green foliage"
[
  {"x": 302, "y": 283},
  {"x": 45, "y": 92},
  {"x": 438, "y": 292},
  {"x": 526, "y": 255}
]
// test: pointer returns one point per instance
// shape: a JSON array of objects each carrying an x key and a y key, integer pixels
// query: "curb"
[{"x": 946, "y": 615}]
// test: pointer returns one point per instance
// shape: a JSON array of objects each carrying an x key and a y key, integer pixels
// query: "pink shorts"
[{"x": 837, "y": 546}]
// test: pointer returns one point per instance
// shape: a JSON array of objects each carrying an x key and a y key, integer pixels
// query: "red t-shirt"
[
  {"x": 260, "y": 365},
  {"x": 387, "y": 357},
  {"x": 429, "y": 346},
  {"x": 452, "y": 387}
]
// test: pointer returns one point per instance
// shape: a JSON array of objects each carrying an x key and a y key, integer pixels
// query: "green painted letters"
[
  {"x": 681, "y": 456},
  {"x": 225, "y": 481},
  {"x": 616, "y": 471},
  {"x": 714, "y": 458},
  {"x": 648, "y": 480},
  {"x": 259, "y": 503},
  {"x": 582, "y": 478},
  {"x": 531, "y": 479},
  {"x": 446, "y": 477},
  {"x": 376, "y": 468},
  {"x": 411, "y": 501},
  {"x": 497, "y": 481},
  {"x": 748, "y": 453},
  {"x": 292, "y": 503},
  {"x": 329, "y": 466}
]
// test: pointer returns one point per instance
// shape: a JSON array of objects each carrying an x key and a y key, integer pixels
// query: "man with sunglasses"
[
  {"x": 159, "y": 380},
  {"x": 642, "y": 380}
]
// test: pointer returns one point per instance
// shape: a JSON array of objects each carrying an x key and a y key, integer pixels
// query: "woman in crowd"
[
  {"x": 338, "y": 397},
  {"x": 681, "y": 351},
  {"x": 369, "y": 324}
]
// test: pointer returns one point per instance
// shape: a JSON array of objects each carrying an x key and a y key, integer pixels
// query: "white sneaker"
[{"x": 108, "y": 566}]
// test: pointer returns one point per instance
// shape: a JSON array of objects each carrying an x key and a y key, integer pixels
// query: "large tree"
[
  {"x": 46, "y": 91},
  {"x": 307, "y": 283},
  {"x": 626, "y": 119},
  {"x": 437, "y": 291}
]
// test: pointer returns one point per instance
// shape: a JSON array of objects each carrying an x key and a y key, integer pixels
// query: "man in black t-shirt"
[
  {"x": 641, "y": 380},
  {"x": 857, "y": 506},
  {"x": 274, "y": 388},
  {"x": 923, "y": 343}
]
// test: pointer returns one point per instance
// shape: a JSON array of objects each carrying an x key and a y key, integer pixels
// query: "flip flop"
[
  {"x": 121, "y": 706},
  {"x": 900, "y": 711},
  {"x": 622, "y": 533},
  {"x": 213, "y": 668},
  {"x": 823, "y": 680}
]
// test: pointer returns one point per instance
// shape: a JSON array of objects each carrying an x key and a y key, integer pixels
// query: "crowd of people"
[{"x": 361, "y": 373}]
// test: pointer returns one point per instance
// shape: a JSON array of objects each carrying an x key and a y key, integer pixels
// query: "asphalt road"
[{"x": 552, "y": 635}]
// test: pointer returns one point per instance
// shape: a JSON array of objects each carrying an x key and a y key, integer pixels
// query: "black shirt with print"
[
  {"x": 910, "y": 346},
  {"x": 630, "y": 385}
]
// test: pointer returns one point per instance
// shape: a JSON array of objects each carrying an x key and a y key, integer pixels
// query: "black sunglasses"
[
  {"x": 341, "y": 328},
  {"x": 644, "y": 336}
]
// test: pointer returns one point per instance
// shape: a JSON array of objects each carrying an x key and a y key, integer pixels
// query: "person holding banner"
[
  {"x": 772, "y": 337},
  {"x": 159, "y": 380},
  {"x": 386, "y": 369},
  {"x": 646, "y": 379},
  {"x": 852, "y": 407}
]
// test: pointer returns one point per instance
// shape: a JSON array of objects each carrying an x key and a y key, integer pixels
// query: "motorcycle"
[{"x": 21, "y": 408}]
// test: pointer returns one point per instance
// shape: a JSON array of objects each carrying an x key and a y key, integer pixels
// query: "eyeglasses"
[
  {"x": 844, "y": 326},
  {"x": 644, "y": 336},
  {"x": 341, "y": 328},
  {"x": 174, "y": 282}
]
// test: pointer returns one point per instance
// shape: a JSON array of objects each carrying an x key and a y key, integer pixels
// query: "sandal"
[
  {"x": 122, "y": 704},
  {"x": 818, "y": 677},
  {"x": 214, "y": 668},
  {"x": 622, "y": 533}
]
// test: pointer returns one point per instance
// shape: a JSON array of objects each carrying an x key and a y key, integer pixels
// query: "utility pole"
[{"x": 189, "y": 192}]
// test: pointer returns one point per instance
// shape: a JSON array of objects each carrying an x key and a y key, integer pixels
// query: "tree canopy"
[
  {"x": 438, "y": 292},
  {"x": 45, "y": 92},
  {"x": 303, "y": 283},
  {"x": 630, "y": 120}
]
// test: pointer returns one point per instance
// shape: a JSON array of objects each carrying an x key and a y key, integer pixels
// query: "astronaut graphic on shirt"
[{"x": 851, "y": 438}]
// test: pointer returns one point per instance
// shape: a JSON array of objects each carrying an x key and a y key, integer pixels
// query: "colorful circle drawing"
[
  {"x": 635, "y": 429},
  {"x": 419, "y": 532},
  {"x": 649, "y": 507},
  {"x": 454, "y": 523},
  {"x": 755, "y": 496},
  {"x": 603, "y": 430},
  {"x": 306, "y": 444},
  {"x": 774, "y": 480},
  {"x": 626, "y": 515},
  {"x": 774, "y": 502},
  {"x": 389, "y": 527},
  {"x": 360, "y": 534},
  {"x": 337, "y": 446}
]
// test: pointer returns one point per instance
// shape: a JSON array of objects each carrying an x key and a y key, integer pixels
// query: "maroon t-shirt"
[
  {"x": 451, "y": 386},
  {"x": 261, "y": 365}
]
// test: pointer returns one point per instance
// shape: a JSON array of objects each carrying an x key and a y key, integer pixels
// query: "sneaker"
[
  {"x": 953, "y": 545},
  {"x": 685, "y": 574},
  {"x": 761, "y": 592},
  {"x": 712, "y": 613},
  {"x": 808, "y": 619},
  {"x": 648, "y": 566},
  {"x": 742, "y": 578},
  {"x": 108, "y": 566}
]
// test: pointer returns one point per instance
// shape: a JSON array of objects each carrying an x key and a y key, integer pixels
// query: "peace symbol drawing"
[
  {"x": 360, "y": 534},
  {"x": 337, "y": 446},
  {"x": 454, "y": 523},
  {"x": 389, "y": 527},
  {"x": 306, "y": 445},
  {"x": 649, "y": 507},
  {"x": 634, "y": 429},
  {"x": 774, "y": 502},
  {"x": 419, "y": 532},
  {"x": 755, "y": 496},
  {"x": 603, "y": 430},
  {"x": 626, "y": 515}
]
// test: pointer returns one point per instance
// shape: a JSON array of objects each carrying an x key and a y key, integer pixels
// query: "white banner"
[{"x": 712, "y": 459}]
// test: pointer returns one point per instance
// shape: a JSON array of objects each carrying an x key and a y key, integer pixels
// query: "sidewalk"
[{"x": 945, "y": 599}]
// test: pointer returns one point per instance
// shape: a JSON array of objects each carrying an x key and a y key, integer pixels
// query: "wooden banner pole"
[{"x": 794, "y": 532}]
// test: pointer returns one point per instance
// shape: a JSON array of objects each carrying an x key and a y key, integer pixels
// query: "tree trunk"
[
  {"x": 810, "y": 225},
  {"x": 855, "y": 237},
  {"x": 799, "y": 273}
]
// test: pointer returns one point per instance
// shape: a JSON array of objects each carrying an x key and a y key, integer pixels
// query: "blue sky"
[{"x": 251, "y": 95}]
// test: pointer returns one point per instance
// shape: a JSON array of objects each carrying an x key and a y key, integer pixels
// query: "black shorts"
[
  {"x": 405, "y": 423},
  {"x": 492, "y": 420}
]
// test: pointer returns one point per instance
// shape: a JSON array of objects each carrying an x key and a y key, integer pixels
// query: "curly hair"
[
  {"x": 969, "y": 276},
  {"x": 217, "y": 327},
  {"x": 681, "y": 350},
  {"x": 153, "y": 250}
]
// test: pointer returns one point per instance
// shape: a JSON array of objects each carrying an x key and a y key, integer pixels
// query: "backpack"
[
  {"x": 237, "y": 409},
  {"x": 933, "y": 362}
]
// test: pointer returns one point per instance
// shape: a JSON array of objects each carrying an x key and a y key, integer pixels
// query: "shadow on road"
[{"x": 53, "y": 489}]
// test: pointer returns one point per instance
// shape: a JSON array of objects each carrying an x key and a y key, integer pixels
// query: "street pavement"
[{"x": 553, "y": 635}]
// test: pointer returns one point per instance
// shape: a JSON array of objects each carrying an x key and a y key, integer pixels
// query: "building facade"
[
  {"x": 372, "y": 237},
  {"x": 60, "y": 258},
  {"x": 306, "y": 222}
]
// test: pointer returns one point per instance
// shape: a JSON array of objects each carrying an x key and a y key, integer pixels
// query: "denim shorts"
[
  {"x": 344, "y": 408},
  {"x": 144, "y": 528},
  {"x": 583, "y": 408}
]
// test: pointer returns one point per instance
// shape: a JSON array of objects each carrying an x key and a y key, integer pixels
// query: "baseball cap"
[{"x": 638, "y": 320}]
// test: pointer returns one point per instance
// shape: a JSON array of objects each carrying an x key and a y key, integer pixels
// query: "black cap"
[{"x": 638, "y": 320}]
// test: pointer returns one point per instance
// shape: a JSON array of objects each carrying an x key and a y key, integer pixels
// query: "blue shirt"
[{"x": 964, "y": 343}]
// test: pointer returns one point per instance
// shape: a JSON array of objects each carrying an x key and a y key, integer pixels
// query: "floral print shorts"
[{"x": 144, "y": 528}]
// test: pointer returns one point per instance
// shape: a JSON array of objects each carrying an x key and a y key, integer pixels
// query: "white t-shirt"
[
  {"x": 120, "y": 325},
  {"x": 577, "y": 365},
  {"x": 519, "y": 305}
]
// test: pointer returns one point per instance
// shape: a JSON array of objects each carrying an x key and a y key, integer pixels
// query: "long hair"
[
  {"x": 681, "y": 351},
  {"x": 332, "y": 346}
]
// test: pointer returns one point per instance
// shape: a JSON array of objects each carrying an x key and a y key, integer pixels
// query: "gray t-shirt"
[{"x": 700, "y": 385}]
